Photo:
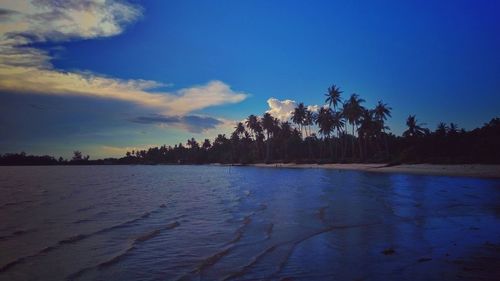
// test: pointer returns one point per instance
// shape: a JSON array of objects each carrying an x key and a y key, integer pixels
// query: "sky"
[{"x": 106, "y": 77}]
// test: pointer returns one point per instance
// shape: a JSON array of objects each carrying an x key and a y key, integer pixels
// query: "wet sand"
[{"x": 466, "y": 170}]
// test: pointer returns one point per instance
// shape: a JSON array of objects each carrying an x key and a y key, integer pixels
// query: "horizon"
[{"x": 104, "y": 79}]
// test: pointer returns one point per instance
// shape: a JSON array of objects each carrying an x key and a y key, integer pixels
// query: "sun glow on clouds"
[
  {"x": 24, "y": 69},
  {"x": 119, "y": 151}
]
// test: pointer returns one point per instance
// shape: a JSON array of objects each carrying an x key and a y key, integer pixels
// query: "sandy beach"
[{"x": 465, "y": 170}]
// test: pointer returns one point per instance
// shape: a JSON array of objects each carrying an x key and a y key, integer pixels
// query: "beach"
[{"x": 464, "y": 170}]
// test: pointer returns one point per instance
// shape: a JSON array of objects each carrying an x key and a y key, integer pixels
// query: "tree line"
[{"x": 342, "y": 131}]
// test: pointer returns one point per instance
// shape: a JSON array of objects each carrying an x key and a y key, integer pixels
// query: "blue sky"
[{"x": 216, "y": 62}]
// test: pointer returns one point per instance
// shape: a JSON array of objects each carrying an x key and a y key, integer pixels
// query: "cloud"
[
  {"x": 282, "y": 109},
  {"x": 25, "y": 69},
  {"x": 315, "y": 108},
  {"x": 49, "y": 82},
  {"x": 192, "y": 123},
  {"x": 62, "y": 20},
  {"x": 6, "y": 14}
]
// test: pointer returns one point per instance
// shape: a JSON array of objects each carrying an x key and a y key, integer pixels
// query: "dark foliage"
[{"x": 346, "y": 132}]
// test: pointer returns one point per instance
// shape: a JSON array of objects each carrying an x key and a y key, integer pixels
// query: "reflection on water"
[{"x": 244, "y": 223}]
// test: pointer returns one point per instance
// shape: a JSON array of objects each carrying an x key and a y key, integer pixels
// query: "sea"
[{"x": 213, "y": 222}]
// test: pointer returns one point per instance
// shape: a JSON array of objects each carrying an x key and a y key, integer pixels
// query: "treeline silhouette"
[
  {"x": 343, "y": 131},
  {"x": 22, "y": 159}
]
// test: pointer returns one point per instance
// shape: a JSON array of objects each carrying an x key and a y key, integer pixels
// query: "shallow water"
[{"x": 244, "y": 223}]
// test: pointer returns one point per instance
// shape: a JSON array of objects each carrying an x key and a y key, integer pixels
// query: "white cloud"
[
  {"x": 283, "y": 109},
  {"x": 315, "y": 108},
  {"x": 197, "y": 97},
  {"x": 60, "y": 20},
  {"x": 25, "y": 69}
]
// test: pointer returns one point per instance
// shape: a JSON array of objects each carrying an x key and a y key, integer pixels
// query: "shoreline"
[
  {"x": 458, "y": 170},
  {"x": 491, "y": 171}
]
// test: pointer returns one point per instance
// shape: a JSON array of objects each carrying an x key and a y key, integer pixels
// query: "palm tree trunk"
[
  {"x": 331, "y": 147},
  {"x": 337, "y": 142},
  {"x": 285, "y": 152},
  {"x": 344, "y": 143},
  {"x": 324, "y": 144},
  {"x": 310, "y": 148},
  {"x": 267, "y": 147},
  {"x": 366, "y": 147},
  {"x": 386, "y": 144},
  {"x": 360, "y": 145},
  {"x": 352, "y": 141}
]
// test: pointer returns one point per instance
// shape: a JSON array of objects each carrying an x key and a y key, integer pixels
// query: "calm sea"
[{"x": 244, "y": 223}]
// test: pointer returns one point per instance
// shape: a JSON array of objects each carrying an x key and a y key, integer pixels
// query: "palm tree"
[
  {"x": 414, "y": 128},
  {"x": 453, "y": 129},
  {"x": 286, "y": 129},
  {"x": 333, "y": 96},
  {"x": 77, "y": 156},
  {"x": 441, "y": 129},
  {"x": 276, "y": 129},
  {"x": 192, "y": 143},
  {"x": 235, "y": 141},
  {"x": 239, "y": 130},
  {"x": 285, "y": 134},
  {"x": 308, "y": 121},
  {"x": 298, "y": 115},
  {"x": 220, "y": 140},
  {"x": 337, "y": 124},
  {"x": 252, "y": 124},
  {"x": 268, "y": 126},
  {"x": 206, "y": 144},
  {"x": 324, "y": 120},
  {"x": 238, "y": 133},
  {"x": 352, "y": 111},
  {"x": 369, "y": 128},
  {"x": 382, "y": 111}
]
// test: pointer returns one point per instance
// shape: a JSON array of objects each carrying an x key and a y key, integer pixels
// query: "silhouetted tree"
[
  {"x": 77, "y": 156},
  {"x": 268, "y": 125},
  {"x": 382, "y": 111},
  {"x": 352, "y": 111},
  {"x": 333, "y": 97},
  {"x": 448, "y": 144},
  {"x": 415, "y": 129},
  {"x": 298, "y": 115}
]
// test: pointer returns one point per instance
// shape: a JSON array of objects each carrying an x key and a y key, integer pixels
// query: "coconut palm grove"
[{"x": 345, "y": 130}]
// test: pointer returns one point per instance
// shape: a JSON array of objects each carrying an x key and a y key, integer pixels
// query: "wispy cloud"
[
  {"x": 25, "y": 69},
  {"x": 50, "y": 82},
  {"x": 56, "y": 20},
  {"x": 192, "y": 123}
]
